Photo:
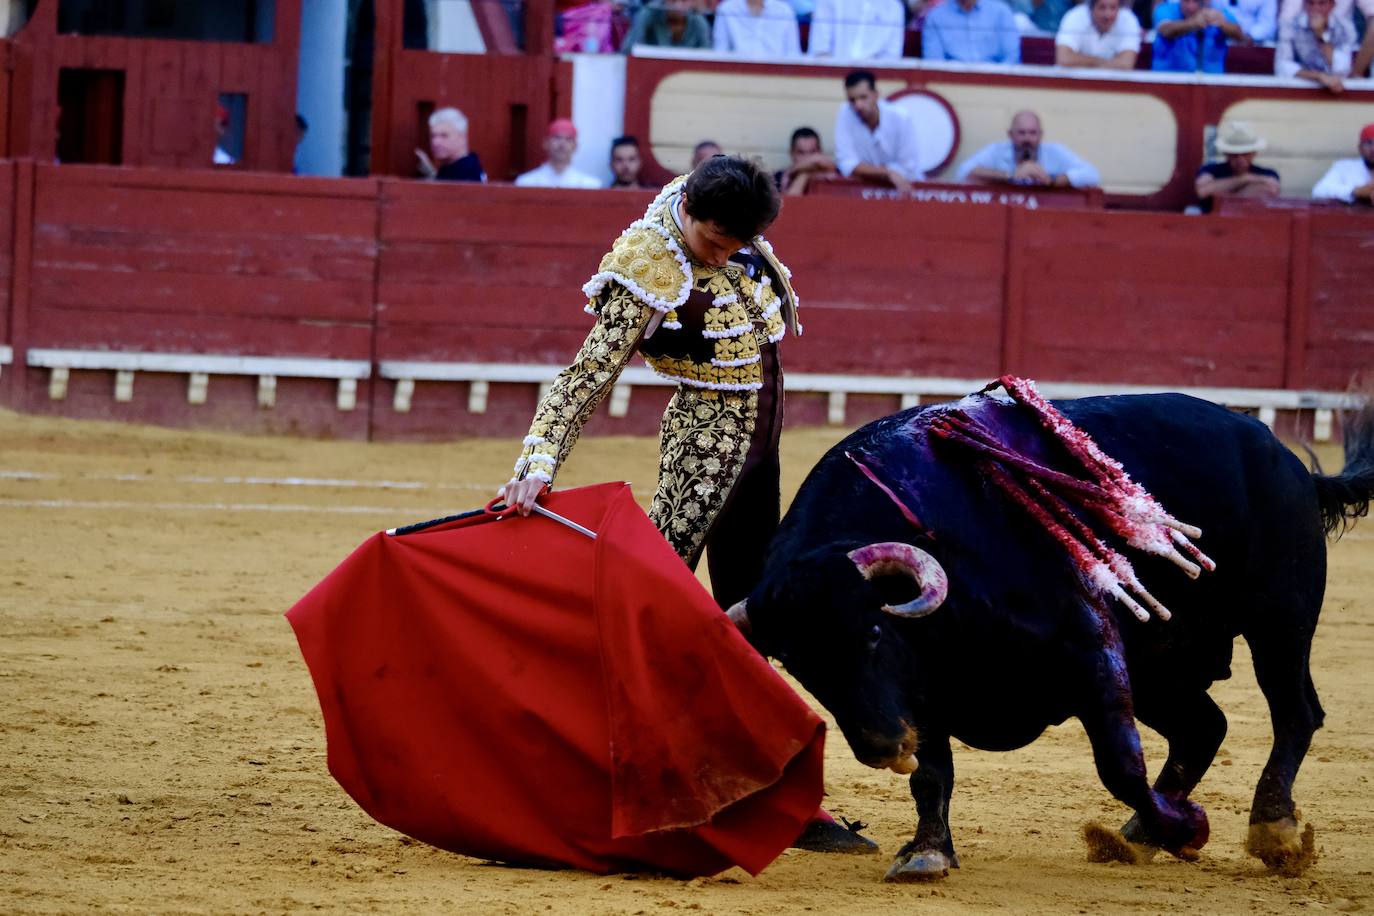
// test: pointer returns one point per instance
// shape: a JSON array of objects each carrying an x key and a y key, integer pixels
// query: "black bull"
[{"x": 1018, "y": 644}]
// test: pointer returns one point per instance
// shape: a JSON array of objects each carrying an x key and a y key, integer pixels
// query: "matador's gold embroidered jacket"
[{"x": 703, "y": 327}]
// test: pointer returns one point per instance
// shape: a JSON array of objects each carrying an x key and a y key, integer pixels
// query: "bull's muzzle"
[{"x": 895, "y": 558}]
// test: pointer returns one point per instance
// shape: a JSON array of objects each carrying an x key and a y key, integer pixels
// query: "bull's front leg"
[
  {"x": 1168, "y": 820},
  {"x": 930, "y": 853}
]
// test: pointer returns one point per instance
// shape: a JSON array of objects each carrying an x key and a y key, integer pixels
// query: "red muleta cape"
[{"x": 511, "y": 689}]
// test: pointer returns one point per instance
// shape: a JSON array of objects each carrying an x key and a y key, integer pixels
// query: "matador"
[
  {"x": 697, "y": 291},
  {"x": 705, "y": 306}
]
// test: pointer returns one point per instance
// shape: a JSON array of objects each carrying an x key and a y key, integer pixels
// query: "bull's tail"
[{"x": 1342, "y": 498}]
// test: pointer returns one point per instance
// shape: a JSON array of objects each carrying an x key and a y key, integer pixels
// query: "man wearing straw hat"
[{"x": 1237, "y": 176}]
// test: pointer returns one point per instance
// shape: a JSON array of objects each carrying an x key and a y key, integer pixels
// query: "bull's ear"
[
  {"x": 895, "y": 558},
  {"x": 739, "y": 616}
]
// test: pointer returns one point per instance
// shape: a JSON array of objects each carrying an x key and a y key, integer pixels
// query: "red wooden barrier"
[
  {"x": 971, "y": 194},
  {"x": 895, "y": 288},
  {"x": 232, "y": 264},
  {"x": 1154, "y": 298},
  {"x": 487, "y": 274},
  {"x": 1340, "y": 327},
  {"x": 202, "y": 262},
  {"x": 7, "y": 203}
]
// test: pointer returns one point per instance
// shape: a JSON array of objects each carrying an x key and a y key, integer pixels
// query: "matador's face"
[{"x": 707, "y": 243}]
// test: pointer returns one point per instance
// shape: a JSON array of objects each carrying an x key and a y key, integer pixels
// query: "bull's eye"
[{"x": 874, "y": 635}]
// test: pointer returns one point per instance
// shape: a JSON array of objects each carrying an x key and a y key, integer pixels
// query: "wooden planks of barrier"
[{"x": 287, "y": 304}]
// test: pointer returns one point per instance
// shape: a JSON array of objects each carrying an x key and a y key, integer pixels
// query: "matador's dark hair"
[{"x": 734, "y": 193}]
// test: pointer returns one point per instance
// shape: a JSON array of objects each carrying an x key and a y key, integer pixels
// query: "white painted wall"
[{"x": 598, "y": 110}]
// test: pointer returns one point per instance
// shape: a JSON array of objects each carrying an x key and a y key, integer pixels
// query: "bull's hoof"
[
  {"x": 1108, "y": 845},
  {"x": 1283, "y": 846},
  {"x": 930, "y": 865},
  {"x": 828, "y": 836}
]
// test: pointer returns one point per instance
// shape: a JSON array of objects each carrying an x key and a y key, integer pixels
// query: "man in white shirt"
[
  {"x": 766, "y": 29},
  {"x": 858, "y": 29},
  {"x": 1350, "y": 180},
  {"x": 560, "y": 143},
  {"x": 874, "y": 139},
  {"x": 1098, "y": 33}
]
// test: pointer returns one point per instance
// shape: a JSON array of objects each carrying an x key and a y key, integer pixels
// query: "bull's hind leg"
[
  {"x": 1281, "y": 668},
  {"x": 1194, "y": 727}
]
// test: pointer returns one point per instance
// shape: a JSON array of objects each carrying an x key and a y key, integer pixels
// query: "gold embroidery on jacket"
[{"x": 708, "y": 425}]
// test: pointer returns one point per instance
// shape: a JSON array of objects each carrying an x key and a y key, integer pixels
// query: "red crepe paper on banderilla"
[{"x": 511, "y": 689}]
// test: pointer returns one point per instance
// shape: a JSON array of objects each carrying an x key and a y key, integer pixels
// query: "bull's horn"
[
  {"x": 891, "y": 557},
  {"x": 739, "y": 616}
]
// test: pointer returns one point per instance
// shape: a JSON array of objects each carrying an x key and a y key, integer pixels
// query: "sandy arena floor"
[{"x": 161, "y": 750}]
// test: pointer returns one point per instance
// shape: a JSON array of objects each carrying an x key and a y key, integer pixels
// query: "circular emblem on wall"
[{"x": 937, "y": 126}]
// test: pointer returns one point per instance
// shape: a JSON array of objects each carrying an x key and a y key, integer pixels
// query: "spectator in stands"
[
  {"x": 704, "y": 150},
  {"x": 13, "y": 15},
  {"x": 1316, "y": 45},
  {"x": 808, "y": 161},
  {"x": 1024, "y": 159},
  {"x": 1098, "y": 33},
  {"x": 448, "y": 142},
  {"x": 1345, "y": 11},
  {"x": 971, "y": 31},
  {"x": 672, "y": 25},
  {"x": 875, "y": 139},
  {"x": 1042, "y": 15},
  {"x": 626, "y": 163},
  {"x": 1237, "y": 175},
  {"x": 1191, "y": 35},
  {"x": 1351, "y": 180},
  {"x": 1259, "y": 19},
  {"x": 858, "y": 29},
  {"x": 222, "y": 156},
  {"x": 302, "y": 128},
  {"x": 1365, "y": 56},
  {"x": 765, "y": 29},
  {"x": 560, "y": 143}
]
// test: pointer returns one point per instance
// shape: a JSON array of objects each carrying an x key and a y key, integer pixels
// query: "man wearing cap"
[
  {"x": 1237, "y": 176},
  {"x": 696, "y": 290},
  {"x": 559, "y": 144},
  {"x": 1351, "y": 180},
  {"x": 221, "y": 156}
]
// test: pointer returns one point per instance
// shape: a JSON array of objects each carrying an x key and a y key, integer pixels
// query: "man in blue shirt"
[
  {"x": 1023, "y": 159},
  {"x": 971, "y": 31},
  {"x": 1191, "y": 36}
]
